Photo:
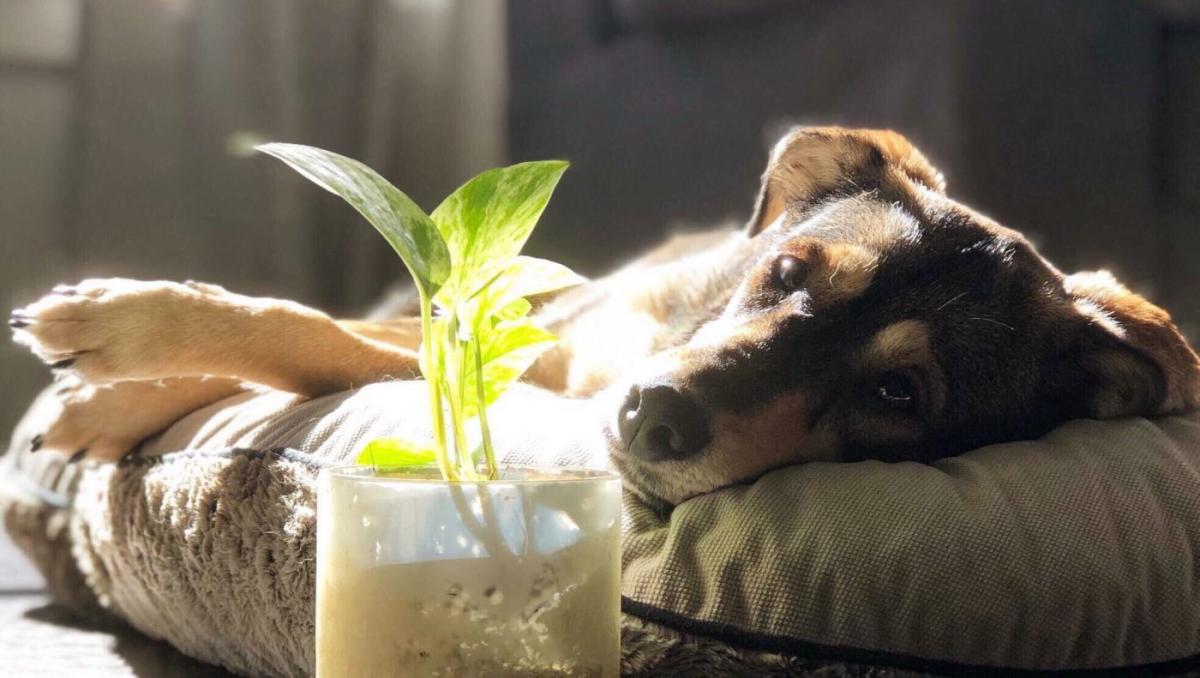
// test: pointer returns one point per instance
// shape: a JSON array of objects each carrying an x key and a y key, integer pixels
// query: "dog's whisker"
[
  {"x": 951, "y": 300},
  {"x": 995, "y": 322}
]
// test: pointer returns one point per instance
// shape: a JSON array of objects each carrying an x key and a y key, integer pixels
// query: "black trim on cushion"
[{"x": 805, "y": 649}]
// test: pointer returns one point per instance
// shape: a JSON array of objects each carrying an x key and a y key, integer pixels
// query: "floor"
[{"x": 38, "y": 638}]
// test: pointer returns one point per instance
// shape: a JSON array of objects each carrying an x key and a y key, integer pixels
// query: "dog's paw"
[
  {"x": 92, "y": 422},
  {"x": 107, "y": 422},
  {"x": 110, "y": 330}
]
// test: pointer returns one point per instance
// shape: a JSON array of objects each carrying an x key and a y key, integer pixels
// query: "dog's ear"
[
  {"x": 809, "y": 163},
  {"x": 1132, "y": 359}
]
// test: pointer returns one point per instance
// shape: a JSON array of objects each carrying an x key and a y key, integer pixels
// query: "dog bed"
[{"x": 1075, "y": 552}]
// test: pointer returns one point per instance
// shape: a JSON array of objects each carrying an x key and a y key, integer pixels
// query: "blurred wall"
[{"x": 116, "y": 119}]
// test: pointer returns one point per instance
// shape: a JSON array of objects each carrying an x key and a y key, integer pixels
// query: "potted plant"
[{"x": 432, "y": 559}]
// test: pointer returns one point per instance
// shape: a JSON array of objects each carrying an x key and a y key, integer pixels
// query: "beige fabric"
[
  {"x": 530, "y": 425},
  {"x": 1077, "y": 551}
]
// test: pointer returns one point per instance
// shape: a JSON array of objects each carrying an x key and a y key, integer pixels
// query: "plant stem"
[
  {"x": 435, "y": 390},
  {"x": 453, "y": 364},
  {"x": 458, "y": 430},
  {"x": 467, "y": 465},
  {"x": 484, "y": 433}
]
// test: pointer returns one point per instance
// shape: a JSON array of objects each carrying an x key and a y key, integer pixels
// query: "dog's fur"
[{"x": 861, "y": 314}]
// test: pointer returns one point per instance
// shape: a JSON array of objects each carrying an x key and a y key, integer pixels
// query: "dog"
[{"x": 860, "y": 314}]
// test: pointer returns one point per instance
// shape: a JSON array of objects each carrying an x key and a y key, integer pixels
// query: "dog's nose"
[{"x": 659, "y": 423}]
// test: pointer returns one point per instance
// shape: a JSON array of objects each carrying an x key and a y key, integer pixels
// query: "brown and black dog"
[{"x": 861, "y": 314}]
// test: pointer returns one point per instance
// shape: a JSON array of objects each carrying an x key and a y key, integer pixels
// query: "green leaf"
[
  {"x": 517, "y": 309},
  {"x": 489, "y": 218},
  {"x": 522, "y": 277},
  {"x": 402, "y": 223},
  {"x": 528, "y": 277},
  {"x": 508, "y": 350},
  {"x": 396, "y": 452},
  {"x": 508, "y": 338}
]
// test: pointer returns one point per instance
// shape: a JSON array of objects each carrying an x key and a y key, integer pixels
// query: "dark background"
[{"x": 1076, "y": 121}]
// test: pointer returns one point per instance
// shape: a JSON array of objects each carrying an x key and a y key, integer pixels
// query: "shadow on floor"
[{"x": 142, "y": 656}]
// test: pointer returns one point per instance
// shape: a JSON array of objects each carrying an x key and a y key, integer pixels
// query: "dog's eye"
[
  {"x": 789, "y": 273},
  {"x": 898, "y": 391}
]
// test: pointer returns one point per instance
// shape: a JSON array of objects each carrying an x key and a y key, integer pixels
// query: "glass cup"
[{"x": 417, "y": 576}]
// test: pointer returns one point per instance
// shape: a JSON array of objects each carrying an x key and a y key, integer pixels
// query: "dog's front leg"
[{"x": 116, "y": 330}]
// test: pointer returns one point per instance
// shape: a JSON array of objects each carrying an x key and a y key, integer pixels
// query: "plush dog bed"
[{"x": 1078, "y": 551}]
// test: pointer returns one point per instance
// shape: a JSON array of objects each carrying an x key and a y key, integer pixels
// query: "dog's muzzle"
[{"x": 659, "y": 423}]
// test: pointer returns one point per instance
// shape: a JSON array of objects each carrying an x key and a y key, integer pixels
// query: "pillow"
[
  {"x": 1078, "y": 551},
  {"x": 1074, "y": 552}
]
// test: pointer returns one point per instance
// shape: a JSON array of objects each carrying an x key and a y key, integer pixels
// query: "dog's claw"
[
  {"x": 36, "y": 443},
  {"x": 19, "y": 320},
  {"x": 62, "y": 364},
  {"x": 65, "y": 290},
  {"x": 79, "y": 454}
]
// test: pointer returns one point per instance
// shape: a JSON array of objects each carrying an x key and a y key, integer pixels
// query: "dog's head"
[{"x": 876, "y": 318}]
